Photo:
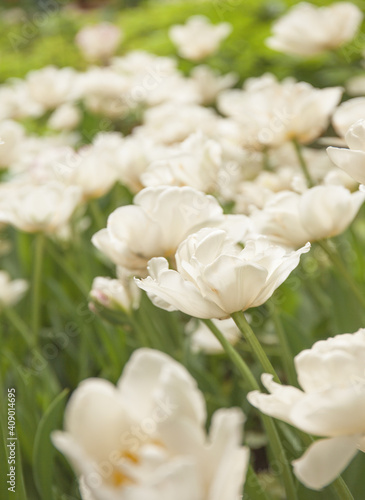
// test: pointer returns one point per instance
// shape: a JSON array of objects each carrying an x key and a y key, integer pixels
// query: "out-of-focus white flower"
[
  {"x": 198, "y": 38},
  {"x": 12, "y": 136},
  {"x": 156, "y": 224},
  {"x": 32, "y": 208},
  {"x": 308, "y": 30},
  {"x": 16, "y": 102},
  {"x": 11, "y": 291},
  {"x": 215, "y": 277},
  {"x": 356, "y": 85},
  {"x": 65, "y": 117},
  {"x": 169, "y": 123},
  {"x": 106, "y": 92},
  {"x": 99, "y": 42},
  {"x": 347, "y": 114},
  {"x": 352, "y": 160},
  {"x": 292, "y": 219},
  {"x": 146, "y": 438},
  {"x": 271, "y": 113},
  {"x": 209, "y": 82},
  {"x": 202, "y": 339},
  {"x": 132, "y": 158},
  {"x": 195, "y": 163},
  {"x": 331, "y": 404},
  {"x": 139, "y": 63},
  {"x": 92, "y": 167},
  {"x": 115, "y": 294},
  {"x": 51, "y": 86}
]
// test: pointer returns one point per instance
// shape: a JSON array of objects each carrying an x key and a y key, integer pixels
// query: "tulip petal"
[{"x": 324, "y": 461}]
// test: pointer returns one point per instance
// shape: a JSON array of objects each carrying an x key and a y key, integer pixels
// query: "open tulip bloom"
[
  {"x": 145, "y": 438},
  {"x": 331, "y": 404},
  {"x": 215, "y": 277}
]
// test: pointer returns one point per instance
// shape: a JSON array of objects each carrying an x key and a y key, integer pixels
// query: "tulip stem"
[
  {"x": 247, "y": 332},
  {"x": 341, "y": 268},
  {"x": 303, "y": 163},
  {"x": 98, "y": 216},
  {"x": 272, "y": 432},
  {"x": 36, "y": 283},
  {"x": 233, "y": 355},
  {"x": 342, "y": 489},
  {"x": 287, "y": 356},
  {"x": 20, "y": 325}
]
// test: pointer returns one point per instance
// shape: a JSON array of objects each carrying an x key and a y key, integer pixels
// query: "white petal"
[{"x": 324, "y": 461}]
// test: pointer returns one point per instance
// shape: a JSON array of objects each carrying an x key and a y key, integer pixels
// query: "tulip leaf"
[{"x": 43, "y": 454}]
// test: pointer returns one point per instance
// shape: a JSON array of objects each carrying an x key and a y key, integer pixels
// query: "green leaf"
[{"x": 43, "y": 454}]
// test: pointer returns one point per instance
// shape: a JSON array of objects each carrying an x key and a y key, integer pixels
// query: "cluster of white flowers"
[{"x": 199, "y": 145}]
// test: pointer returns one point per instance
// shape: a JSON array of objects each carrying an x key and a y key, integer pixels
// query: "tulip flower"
[
  {"x": 146, "y": 438},
  {"x": 216, "y": 278},
  {"x": 331, "y": 405}
]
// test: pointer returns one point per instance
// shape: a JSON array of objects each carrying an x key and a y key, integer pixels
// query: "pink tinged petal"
[
  {"x": 351, "y": 161},
  {"x": 154, "y": 383},
  {"x": 279, "y": 403},
  {"x": 324, "y": 461}
]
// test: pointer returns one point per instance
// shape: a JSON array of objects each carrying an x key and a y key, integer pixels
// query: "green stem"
[
  {"x": 231, "y": 352},
  {"x": 247, "y": 332},
  {"x": 253, "y": 487},
  {"x": 341, "y": 268},
  {"x": 97, "y": 214},
  {"x": 67, "y": 269},
  {"x": 341, "y": 489},
  {"x": 20, "y": 325},
  {"x": 36, "y": 283},
  {"x": 287, "y": 356},
  {"x": 303, "y": 163},
  {"x": 272, "y": 432}
]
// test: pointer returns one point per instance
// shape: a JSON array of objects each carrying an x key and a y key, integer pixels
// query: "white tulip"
[
  {"x": 209, "y": 82},
  {"x": 198, "y": 38},
  {"x": 331, "y": 405},
  {"x": 12, "y": 137},
  {"x": 65, "y": 117},
  {"x": 92, "y": 167},
  {"x": 308, "y": 30},
  {"x": 215, "y": 277},
  {"x": 202, "y": 339},
  {"x": 11, "y": 291},
  {"x": 32, "y": 208},
  {"x": 292, "y": 219},
  {"x": 146, "y": 438},
  {"x": 156, "y": 224},
  {"x": 347, "y": 114},
  {"x": 104, "y": 92},
  {"x": 115, "y": 294},
  {"x": 99, "y": 42},
  {"x": 195, "y": 163},
  {"x": 169, "y": 124},
  {"x": 352, "y": 160},
  {"x": 272, "y": 113},
  {"x": 51, "y": 86}
]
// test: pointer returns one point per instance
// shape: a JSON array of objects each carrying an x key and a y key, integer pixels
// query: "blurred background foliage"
[{"x": 35, "y": 33}]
